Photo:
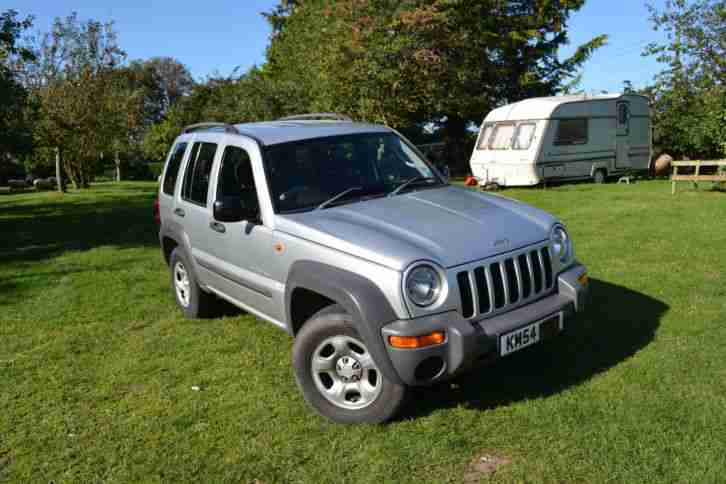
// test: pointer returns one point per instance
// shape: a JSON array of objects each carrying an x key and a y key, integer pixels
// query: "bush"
[{"x": 156, "y": 168}]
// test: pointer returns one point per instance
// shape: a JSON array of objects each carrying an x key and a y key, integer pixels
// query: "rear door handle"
[
  {"x": 179, "y": 212},
  {"x": 217, "y": 227}
]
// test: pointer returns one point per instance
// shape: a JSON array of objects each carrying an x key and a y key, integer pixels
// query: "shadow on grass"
[
  {"x": 618, "y": 323},
  {"x": 39, "y": 229}
]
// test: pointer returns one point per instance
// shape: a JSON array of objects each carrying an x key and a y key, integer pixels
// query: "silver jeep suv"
[{"x": 346, "y": 237}]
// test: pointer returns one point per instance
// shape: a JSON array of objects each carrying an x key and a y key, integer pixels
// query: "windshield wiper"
[
  {"x": 337, "y": 197},
  {"x": 410, "y": 181}
]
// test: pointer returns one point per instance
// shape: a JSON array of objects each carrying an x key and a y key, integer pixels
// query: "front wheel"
[{"x": 337, "y": 374}]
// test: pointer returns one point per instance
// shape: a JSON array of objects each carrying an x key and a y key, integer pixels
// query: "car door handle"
[
  {"x": 217, "y": 227},
  {"x": 179, "y": 212}
]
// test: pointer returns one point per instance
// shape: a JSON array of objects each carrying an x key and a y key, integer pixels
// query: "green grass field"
[{"x": 97, "y": 367}]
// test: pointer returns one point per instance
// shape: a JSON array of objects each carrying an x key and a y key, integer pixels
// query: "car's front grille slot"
[
  {"x": 498, "y": 283},
  {"x": 467, "y": 301},
  {"x": 496, "y": 286},
  {"x": 512, "y": 281},
  {"x": 547, "y": 266},
  {"x": 524, "y": 270},
  {"x": 480, "y": 280},
  {"x": 537, "y": 270}
]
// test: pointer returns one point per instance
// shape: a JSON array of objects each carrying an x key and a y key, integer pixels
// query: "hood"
[{"x": 449, "y": 225}]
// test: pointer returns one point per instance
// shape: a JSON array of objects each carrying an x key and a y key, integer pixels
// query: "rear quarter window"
[{"x": 172, "y": 168}]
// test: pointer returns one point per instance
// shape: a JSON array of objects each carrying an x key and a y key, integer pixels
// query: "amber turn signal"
[
  {"x": 584, "y": 279},
  {"x": 435, "y": 338}
]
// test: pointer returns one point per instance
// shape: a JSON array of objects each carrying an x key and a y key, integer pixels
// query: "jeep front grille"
[{"x": 496, "y": 286}]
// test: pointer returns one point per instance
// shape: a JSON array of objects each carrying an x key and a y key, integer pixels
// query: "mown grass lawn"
[{"x": 99, "y": 372}]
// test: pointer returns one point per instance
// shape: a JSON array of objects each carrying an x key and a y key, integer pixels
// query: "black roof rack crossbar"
[
  {"x": 314, "y": 116},
  {"x": 227, "y": 128}
]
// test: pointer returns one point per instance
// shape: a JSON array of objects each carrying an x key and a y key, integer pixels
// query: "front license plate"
[{"x": 530, "y": 334}]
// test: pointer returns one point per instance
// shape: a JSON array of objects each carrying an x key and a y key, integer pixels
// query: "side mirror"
[{"x": 233, "y": 209}]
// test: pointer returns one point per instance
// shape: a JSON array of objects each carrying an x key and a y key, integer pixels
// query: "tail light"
[{"x": 157, "y": 217}]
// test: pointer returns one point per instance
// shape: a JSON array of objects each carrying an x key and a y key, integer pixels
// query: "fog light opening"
[{"x": 429, "y": 369}]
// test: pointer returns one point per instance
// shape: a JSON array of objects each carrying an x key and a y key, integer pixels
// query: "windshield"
[{"x": 304, "y": 175}]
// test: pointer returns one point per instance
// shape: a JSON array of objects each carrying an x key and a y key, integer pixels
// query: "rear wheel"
[
  {"x": 191, "y": 299},
  {"x": 337, "y": 374},
  {"x": 599, "y": 176}
]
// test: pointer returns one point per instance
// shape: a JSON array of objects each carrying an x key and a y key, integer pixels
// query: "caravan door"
[{"x": 622, "y": 134}]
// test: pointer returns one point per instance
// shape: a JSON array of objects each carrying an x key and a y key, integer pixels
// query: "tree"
[
  {"x": 86, "y": 110},
  {"x": 15, "y": 123},
  {"x": 85, "y": 118},
  {"x": 174, "y": 80},
  {"x": 406, "y": 62},
  {"x": 252, "y": 96},
  {"x": 689, "y": 94}
]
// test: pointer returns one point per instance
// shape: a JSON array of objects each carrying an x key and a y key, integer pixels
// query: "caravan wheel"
[{"x": 599, "y": 176}]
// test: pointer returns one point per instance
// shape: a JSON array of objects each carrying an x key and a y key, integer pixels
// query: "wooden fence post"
[
  {"x": 698, "y": 170},
  {"x": 675, "y": 172}
]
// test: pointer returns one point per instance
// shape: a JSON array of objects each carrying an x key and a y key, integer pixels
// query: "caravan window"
[
  {"x": 523, "y": 136},
  {"x": 501, "y": 138},
  {"x": 484, "y": 138},
  {"x": 571, "y": 132}
]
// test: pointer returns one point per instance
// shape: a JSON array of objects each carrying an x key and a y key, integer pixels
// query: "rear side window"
[
  {"x": 196, "y": 179},
  {"x": 571, "y": 132},
  {"x": 484, "y": 138},
  {"x": 172, "y": 168},
  {"x": 523, "y": 136}
]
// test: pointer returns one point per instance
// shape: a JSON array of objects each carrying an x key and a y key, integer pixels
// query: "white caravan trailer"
[{"x": 563, "y": 138}]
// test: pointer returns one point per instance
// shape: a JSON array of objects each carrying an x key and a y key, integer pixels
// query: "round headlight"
[
  {"x": 561, "y": 244},
  {"x": 423, "y": 285}
]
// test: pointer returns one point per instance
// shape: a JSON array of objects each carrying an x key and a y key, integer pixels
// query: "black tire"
[
  {"x": 600, "y": 176},
  {"x": 200, "y": 304},
  {"x": 330, "y": 322}
]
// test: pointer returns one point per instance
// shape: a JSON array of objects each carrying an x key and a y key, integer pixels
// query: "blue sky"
[{"x": 220, "y": 35}]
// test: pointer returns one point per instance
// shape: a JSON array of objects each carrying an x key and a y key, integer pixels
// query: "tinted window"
[
  {"x": 199, "y": 168},
  {"x": 571, "y": 132},
  {"x": 235, "y": 177},
  {"x": 304, "y": 174},
  {"x": 523, "y": 136},
  {"x": 172, "y": 168}
]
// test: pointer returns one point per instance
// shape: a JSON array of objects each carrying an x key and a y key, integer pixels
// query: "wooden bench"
[{"x": 696, "y": 176}]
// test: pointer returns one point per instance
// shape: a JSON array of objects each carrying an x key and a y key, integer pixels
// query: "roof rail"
[
  {"x": 316, "y": 116},
  {"x": 227, "y": 128}
]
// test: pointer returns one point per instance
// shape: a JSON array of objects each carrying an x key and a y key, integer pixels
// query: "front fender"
[{"x": 360, "y": 297}]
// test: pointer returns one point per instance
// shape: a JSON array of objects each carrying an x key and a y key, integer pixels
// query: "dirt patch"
[{"x": 484, "y": 465}]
